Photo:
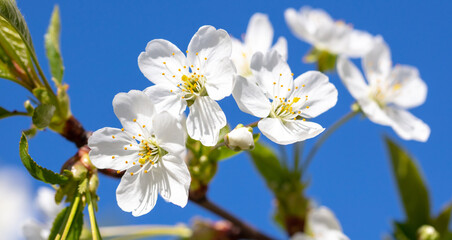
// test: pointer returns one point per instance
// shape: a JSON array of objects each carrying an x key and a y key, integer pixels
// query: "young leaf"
[
  {"x": 52, "y": 44},
  {"x": 5, "y": 113},
  {"x": 268, "y": 165},
  {"x": 10, "y": 12},
  {"x": 412, "y": 189},
  {"x": 34, "y": 169},
  {"x": 42, "y": 115},
  {"x": 441, "y": 222},
  {"x": 60, "y": 220}
]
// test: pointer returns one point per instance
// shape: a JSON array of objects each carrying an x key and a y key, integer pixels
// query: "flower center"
[
  {"x": 192, "y": 86},
  {"x": 283, "y": 109},
  {"x": 150, "y": 151}
]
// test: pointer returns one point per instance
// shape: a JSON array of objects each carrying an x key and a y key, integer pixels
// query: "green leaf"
[
  {"x": 34, "y": 169},
  {"x": 441, "y": 222},
  {"x": 412, "y": 189},
  {"x": 52, "y": 44},
  {"x": 5, "y": 113},
  {"x": 268, "y": 165},
  {"x": 60, "y": 220},
  {"x": 10, "y": 12},
  {"x": 42, "y": 115}
]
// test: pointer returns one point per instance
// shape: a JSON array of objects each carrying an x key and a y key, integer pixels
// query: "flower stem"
[
  {"x": 72, "y": 214},
  {"x": 92, "y": 218},
  {"x": 325, "y": 136}
]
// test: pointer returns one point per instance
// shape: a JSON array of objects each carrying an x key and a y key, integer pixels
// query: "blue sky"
[{"x": 101, "y": 41}]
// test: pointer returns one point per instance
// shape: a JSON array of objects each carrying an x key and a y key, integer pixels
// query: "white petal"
[
  {"x": 373, "y": 111},
  {"x": 109, "y": 152},
  {"x": 323, "y": 218},
  {"x": 352, "y": 78},
  {"x": 259, "y": 34},
  {"x": 134, "y": 105},
  {"x": 210, "y": 51},
  {"x": 168, "y": 130},
  {"x": 290, "y": 131},
  {"x": 178, "y": 180},
  {"x": 407, "y": 88},
  {"x": 281, "y": 47},
  {"x": 137, "y": 193},
  {"x": 309, "y": 24},
  {"x": 272, "y": 74},
  {"x": 241, "y": 57},
  {"x": 407, "y": 126},
  {"x": 220, "y": 79},
  {"x": 161, "y": 61},
  {"x": 205, "y": 121},
  {"x": 358, "y": 43},
  {"x": 377, "y": 63},
  {"x": 166, "y": 98},
  {"x": 321, "y": 94},
  {"x": 250, "y": 98}
]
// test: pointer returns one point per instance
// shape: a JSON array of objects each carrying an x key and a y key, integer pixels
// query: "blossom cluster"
[{"x": 150, "y": 146}]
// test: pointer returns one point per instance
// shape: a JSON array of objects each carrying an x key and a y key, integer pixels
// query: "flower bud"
[
  {"x": 93, "y": 183},
  {"x": 427, "y": 232},
  {"x": 241, "y": 138}
]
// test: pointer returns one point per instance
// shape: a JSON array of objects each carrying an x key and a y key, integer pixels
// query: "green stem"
[
  {"x": 92, "y": 218},
  {"x": 72, "y": 214},
  {"x": 325, "y": 136},
  {"x": 135, "y": 232},
  {"x": 298, "y": 153}
]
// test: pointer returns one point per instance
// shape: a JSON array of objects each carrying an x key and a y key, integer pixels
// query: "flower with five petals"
[
  {"x": 149, "y": 148},
  {"x": 389, "y": 92},
  {"x": 198, "y": 80},
  {"x": 281, "y": 102}
]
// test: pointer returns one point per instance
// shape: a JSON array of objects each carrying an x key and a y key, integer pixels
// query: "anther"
[
  {"x": 134, "y": 119},
  {"x": 122, "y": 129},
  {"x": 163, "y": 73},
  {"x": 113, "y": 136},
  {"x": 164, "y": 62},
  {"x": 125, "y": 148},
  {"x": 144, "y": 126},
  {"x": 112, "y": 157},
  {"x": 131, "y": 174},
  {"x": 118, "y": 172}
]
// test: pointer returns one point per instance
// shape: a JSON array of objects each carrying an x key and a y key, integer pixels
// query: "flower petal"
[
  {"x": 373, "y": 111},
  {"x": 407, "y": 126},
  {"x": 161, "y": 61},
  {"x": 241, "y": 57},
  {"x": 137, "y": 193},
  {"x": 134, "y": 109},
  {"x": 272, "y": 73},
  {"x": 407, "y": 88},
  {"x": 358, "y": 43},
  {"x": 210, "y": 51},
  {"x": 205, "y": 121},
  {"x": 377, "y": 63},
  {"x": 166, "y": 98},
  {"x": 352, "y": 78},
  {"x": 281, "y": 47},
  {"x": 168, "y": 130},
  {"x": 288, "y": 132},
  {"x": 178, "y": 180},
  {"x": 322, "y": 218},
  {"x": 250, "y": 98},
  {"x": 314, "y": 86},
  {"x": 107, "y": 149},
  {"x": 259, "y": 34}
]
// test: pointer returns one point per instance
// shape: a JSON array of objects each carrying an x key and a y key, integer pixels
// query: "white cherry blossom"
[
  {"x": 149, "y": 148},
  {"x": 198, "y": 80},
  {"x": 284, "y": 104},
  {"x": 258, "y": 38},
  {"x": 390, "y": 91},
  {"x": 321, "y": 225},
  {"x": 317, "y": 28}
]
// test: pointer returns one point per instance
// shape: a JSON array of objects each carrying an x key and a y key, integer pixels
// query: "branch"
[{"x": 244, "y": 230}]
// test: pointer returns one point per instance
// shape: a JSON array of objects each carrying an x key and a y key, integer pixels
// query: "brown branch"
[{"x": 244, "y": 230}]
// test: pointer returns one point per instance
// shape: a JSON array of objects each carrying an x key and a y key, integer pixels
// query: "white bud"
[
  {"x": 241, "y": 138},
  {"x": 427, "y": 232}
]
